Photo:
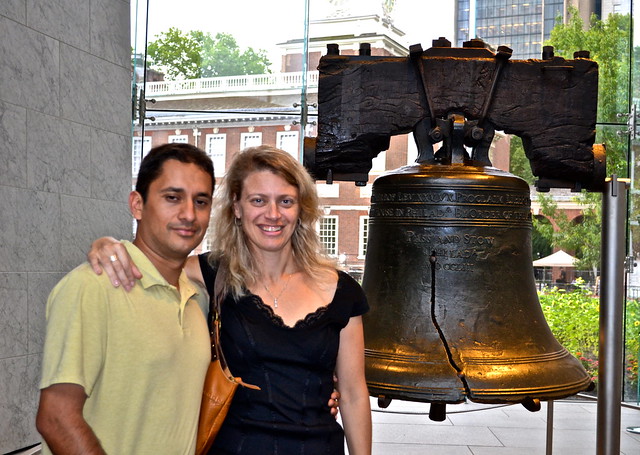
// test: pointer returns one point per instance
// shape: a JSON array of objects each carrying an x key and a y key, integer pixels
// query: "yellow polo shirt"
[{"x": 141, "y": 356}]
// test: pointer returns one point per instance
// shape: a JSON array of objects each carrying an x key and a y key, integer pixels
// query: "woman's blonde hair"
[{"x": 229, "y": 245}]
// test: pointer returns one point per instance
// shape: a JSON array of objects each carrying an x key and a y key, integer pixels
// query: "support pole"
[
  {"x": 304, "y": 108},
  {"x": 549, "y": 450},
  {"x": 614, "y": 211}
]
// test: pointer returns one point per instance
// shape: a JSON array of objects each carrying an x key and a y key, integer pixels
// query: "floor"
[{"x": 404, "y": 428}]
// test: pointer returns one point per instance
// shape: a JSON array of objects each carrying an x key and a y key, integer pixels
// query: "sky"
[{"x": 261, "y": 24}]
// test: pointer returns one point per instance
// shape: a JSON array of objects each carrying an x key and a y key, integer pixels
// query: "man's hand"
[
  {"x": 333, "y": 402},
  {"x": 110, "y": 255}
]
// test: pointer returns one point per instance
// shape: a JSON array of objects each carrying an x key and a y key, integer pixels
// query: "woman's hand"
[{"x": 110, "y": 255}]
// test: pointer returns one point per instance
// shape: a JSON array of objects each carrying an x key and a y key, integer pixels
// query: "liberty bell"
[{"x": 448, "y": 272}]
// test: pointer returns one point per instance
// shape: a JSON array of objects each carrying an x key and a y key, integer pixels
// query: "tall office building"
[{"x": 522, "y": 25}]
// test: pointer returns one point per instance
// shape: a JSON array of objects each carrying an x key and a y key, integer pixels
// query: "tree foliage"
[
  {"x": 582, "y": 237},
  {"x": 608, "y": 44},
  {"x": 196, "y": 54},
  {"x": 518, "y": 162}
]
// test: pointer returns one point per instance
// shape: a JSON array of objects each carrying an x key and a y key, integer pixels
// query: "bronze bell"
[
  {"x": 448, "y": 271},
  {"x": 449, "y": 278}
]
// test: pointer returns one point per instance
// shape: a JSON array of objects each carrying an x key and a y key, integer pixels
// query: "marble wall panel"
[
  {"x": 31, "y": 399},
  {"x": 84, "y": 220},
  {"x": 110, "y": 166},
  {"x": 30, "y": 71},
  {"x": 17, "y": 410},
  {"x": 64, "y": 20},
  {"x": 85, "y": 80},
  {"x": 49, "y": 135},
  {"x": 108, "y": 19},
  {"x": 29, "y": 231},
  {"x": 59, "y": 157},
  {"x": 38, "y": 288},
  {"x": 14, "y": 9},
  {"x": 13, "y": 145},
  {"x": 14, "y": 324}
]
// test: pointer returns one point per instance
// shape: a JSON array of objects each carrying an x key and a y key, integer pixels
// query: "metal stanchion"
[
  {"x": 614, "y": 210},
  {"x": 549, "y": 427}
]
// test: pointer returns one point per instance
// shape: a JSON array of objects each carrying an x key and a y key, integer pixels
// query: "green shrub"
[{"x": 573, "y": 316}]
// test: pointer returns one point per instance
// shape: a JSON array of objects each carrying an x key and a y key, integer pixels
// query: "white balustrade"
[{"x": 229, "y": 84}]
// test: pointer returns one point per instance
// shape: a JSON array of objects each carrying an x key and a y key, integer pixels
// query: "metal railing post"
[{"x": 614, "y": 210}]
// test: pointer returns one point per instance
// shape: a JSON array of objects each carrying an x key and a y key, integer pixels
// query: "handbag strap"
[{"x": 215, "y": 306}]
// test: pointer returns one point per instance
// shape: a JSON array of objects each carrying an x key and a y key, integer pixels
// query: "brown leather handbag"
[{"x": 219, "y": 384}]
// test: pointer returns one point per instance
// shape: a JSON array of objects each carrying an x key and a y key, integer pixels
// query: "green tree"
[
  {"x": 196, "y": 54},
  {"x": 608, "y": 44},
  {"x": 583, "y": 237},
  {"x": 518, "y": 161}
]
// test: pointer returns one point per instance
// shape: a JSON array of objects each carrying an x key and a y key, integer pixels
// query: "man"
[{"x": 123, "y": 371}]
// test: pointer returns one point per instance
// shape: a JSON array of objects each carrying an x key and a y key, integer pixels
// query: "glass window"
[
  {"x": 250, "y": 140},
  {"x": 182, "y": 138},
  {"x": 216, "y": 148},
  {"x": 257, "y": 97},
  {"x": 363, "y": 236},
  {"x": 140, "y": 149},
  {"x": 328, "y": 231},
  {"x": 288, "y": 141}
]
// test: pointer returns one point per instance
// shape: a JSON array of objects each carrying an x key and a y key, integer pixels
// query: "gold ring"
[{"x": 113, "y": 258}]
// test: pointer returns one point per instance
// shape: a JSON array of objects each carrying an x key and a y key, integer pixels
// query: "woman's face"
[{"x": 268, "y": 208}]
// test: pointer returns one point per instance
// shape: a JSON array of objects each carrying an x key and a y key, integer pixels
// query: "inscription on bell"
[
  {"x": 414, "y": 237},
  {"x": 453, "y": 197},
  {"x": 468, "y": 248},
  {"x": 461, "y": 213}
]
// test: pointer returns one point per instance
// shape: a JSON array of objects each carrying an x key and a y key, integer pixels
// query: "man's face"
[{"x": 175, "y": 216}]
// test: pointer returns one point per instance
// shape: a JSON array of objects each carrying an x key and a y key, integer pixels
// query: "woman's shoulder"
[
  {"x": 349, "y": 289},
  {"x": 347, "y": 280},
  {"x": 208, "y": 268}
]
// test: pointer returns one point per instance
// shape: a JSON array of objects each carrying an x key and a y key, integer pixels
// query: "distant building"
[{"x": 522, "y": 25}]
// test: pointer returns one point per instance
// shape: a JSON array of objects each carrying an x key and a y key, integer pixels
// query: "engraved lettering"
[
  {"x": 478, "y": 240},
  {"x": 416, "y": 237}
]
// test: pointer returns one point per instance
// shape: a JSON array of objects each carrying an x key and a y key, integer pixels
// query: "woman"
[{"x": 289, "y": 319}]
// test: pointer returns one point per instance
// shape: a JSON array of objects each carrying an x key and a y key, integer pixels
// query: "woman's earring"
[{"x": 237, "y": 221}]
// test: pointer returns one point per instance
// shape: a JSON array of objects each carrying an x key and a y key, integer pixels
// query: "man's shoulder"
[
  {"x": 84, "y": 273},
  {"x": 81, "y": 280}
]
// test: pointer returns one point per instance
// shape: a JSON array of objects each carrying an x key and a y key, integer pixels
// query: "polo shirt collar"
[{"x": 150, "y": 274}]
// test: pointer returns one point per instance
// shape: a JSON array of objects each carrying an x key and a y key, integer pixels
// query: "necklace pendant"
[{"x": 275, "y": 303}]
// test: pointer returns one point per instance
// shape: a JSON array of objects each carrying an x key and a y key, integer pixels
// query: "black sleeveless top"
[{"x": 294, "y": 368}]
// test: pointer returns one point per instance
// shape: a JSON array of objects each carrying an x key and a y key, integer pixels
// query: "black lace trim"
[{"x": 308, "y": 321}]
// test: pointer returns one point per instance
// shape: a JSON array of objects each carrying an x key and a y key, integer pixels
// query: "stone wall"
[{"x": 65, "y": 167}]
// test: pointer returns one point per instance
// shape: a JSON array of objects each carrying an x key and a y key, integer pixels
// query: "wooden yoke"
[{"x": 459, "y": 94}]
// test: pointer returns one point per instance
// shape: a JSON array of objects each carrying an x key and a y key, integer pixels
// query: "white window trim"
[
  {"x": 219, "y": 161},
  {"x": 246, "y": 140},
  {"x": 335, "y": 237},
  {"x": 178, "y": 139},
  {"x": 364, "y": 221},
  {"x": 288, "y": 141},
  {"x": 145, "y": 145}
]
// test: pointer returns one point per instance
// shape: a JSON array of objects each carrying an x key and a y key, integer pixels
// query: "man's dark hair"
[{"x": 151, "y": 165}]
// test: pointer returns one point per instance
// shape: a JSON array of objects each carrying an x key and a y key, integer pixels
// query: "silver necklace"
[{"x": 275, "y": 299}]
